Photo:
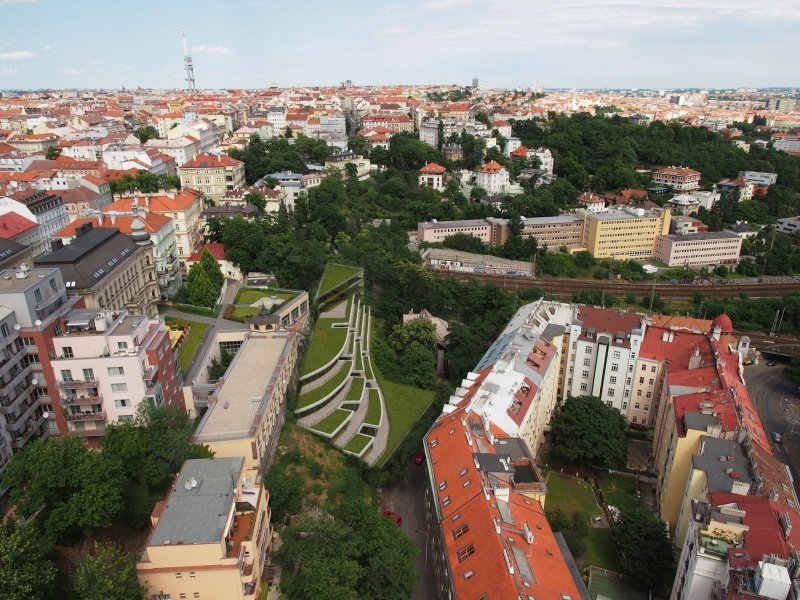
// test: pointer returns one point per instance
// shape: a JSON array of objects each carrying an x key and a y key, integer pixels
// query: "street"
[
  {"x": 772, "y": 395},
  {"x": 407, "y": 499}
]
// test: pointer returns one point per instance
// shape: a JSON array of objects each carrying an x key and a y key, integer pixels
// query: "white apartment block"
[
  {"x": 789, "y": 144},
  {"x": 493, "y": 177},
  {"x": 698, "y": 249}
]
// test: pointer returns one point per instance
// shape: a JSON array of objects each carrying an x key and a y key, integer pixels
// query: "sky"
[{"x": 504, "y": 43}]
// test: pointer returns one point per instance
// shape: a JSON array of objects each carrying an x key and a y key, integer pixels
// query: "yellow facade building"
[
  {"x": 211, "y": 535},
  {"x": 624, "y": 234}
]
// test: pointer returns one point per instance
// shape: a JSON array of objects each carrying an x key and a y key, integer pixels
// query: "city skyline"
[{"x": 259, "y": 43}]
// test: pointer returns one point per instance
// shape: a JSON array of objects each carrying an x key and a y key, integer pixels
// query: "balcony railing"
[
  {"x": 82, "y": 400},
  {"x": 85, "y": 416},
  {"x": 67, "y": 384},
  {"x": 149, "y": 374},
  {"x": 16, "y": 374},
  {"x": 88, "y": 432}
]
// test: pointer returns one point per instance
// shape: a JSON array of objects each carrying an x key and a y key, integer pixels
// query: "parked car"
[
  {"x": 777, "y": 438},
  {"x": 388, "y": 514},
  {"x": 419, "y": 457}
]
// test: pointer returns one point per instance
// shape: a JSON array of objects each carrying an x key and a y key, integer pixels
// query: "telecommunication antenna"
[{"x": 187, "y": 65}]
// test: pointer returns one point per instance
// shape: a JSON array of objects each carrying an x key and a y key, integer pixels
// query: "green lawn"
[
  {"x": 330, "y": 423},
  {"x": 357, "y": 443},
  {"x": 312, "y": 396},
  {"x": 373, "y": 416},
  {"x": 250, "y": 295},
  {"x": 244, "y": 312},
  {"x": 617, "y": 490},
  {"x": 357, "y": 354},
  {"x": 571, "y": 496},
  {"x": 368, "y": 369},
  {"x": 191, "y": 341},
  {"x": 356, "y": 389},
  {"x": 334, "y": 275},
  {"x": 404, "y": 405},
  {"x": 326, "y": 341}
]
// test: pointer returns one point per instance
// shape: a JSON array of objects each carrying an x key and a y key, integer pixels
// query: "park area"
[
  {"x": 334, "y": 276},
  {"x": 248, "y": 301}
]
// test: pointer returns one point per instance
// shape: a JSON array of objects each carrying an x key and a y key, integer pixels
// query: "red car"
[
  {"x": 419, "y": 457},
  {"x": 388, "y": 514}
]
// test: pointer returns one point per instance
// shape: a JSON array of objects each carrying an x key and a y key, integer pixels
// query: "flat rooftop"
[
  {"x": 246, "y": 389},
  {"x": 197, "y": 509},
  {"x": 449, "y": 224},
  {"x": 10, "y": 283},
  {"x": 621, "y": 215},
  {"x": 702, "y": 236}
]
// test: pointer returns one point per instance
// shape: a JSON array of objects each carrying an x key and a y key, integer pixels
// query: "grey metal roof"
[
  {"x": 198, "y": 515},
  {"x": 717, "y": 458},
  {"x": 91, "y": 256}
]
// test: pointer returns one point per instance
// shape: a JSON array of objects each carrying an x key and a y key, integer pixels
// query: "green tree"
[
  {"x": 146, "y": 133},
  {"x": 464, "y": 350},
  {"x": 211, "y": 267},
  {"x": 644, "y": 547},
  {"x": 26, "y": 570},
  {"x": 419, "y": 331},
  {"x": 465, "y": 242},
  {"x": 285, "y": 493},
  {"x": 53, "y": 152},
  {"x": 105, "y": 573},
  {"x": 586, "y": 431},
  {"x": 219, "y": 365},
  {"x": 358, "y": 144},
  {"x": 202, "y": 291},
  {"x": 256, "y": 200},
  {"x": 482, "y": 117}
]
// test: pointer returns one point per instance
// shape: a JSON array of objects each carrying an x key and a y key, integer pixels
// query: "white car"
[{"x": 777, "y": 438}]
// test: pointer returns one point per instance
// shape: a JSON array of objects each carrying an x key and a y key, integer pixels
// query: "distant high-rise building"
[{"x": 475, "y": 83}]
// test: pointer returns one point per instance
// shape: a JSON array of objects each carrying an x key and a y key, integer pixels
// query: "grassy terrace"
[
  {"x": 358, "y": 360},
  {"x": 250, "y": 295},
  {"x": 191, "y": 341},
  {"x": 357, "y": 443},
  {"x": 373, "y": 416},
  {"x": 330, "y": 423},
  {"x": 404, "y": 405},
  {"x": 335, "y": 275},
  {"x": 326, "y": 341},
  {"x": 356, "y": 389},
  {"x": 312, "y": 396},
  {"x": 572, "y": 496}
]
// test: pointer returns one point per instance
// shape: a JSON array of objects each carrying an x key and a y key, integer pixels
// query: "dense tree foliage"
[
  {"x": 144, "y": 182},
  {"x": 262, "y": 157},
  {"x": 146, "y": 133},
  {"x": 103, "y": 573},
  {"x": 26, "y": 569},
  {"x": 644, "y": 547},
  {"x": 584, "y": 430}
]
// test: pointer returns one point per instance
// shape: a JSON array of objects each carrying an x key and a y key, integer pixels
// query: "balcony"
[
  {"x": 82, "y": 400},
  {"x": 88, "y": 432},
  {"x": 17, "y": 375},
  {"x": 71, "y": 384},
  {"x": 21, "y": 438},
  {"x": 241, "y": 531},
  {"x": 149, "y": 375},
  {"x": 59, "y": 294},
  {"x": 85, "y": 416}
]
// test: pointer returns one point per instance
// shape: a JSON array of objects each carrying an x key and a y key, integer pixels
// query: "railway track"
[{"x": 621, "y": 288}]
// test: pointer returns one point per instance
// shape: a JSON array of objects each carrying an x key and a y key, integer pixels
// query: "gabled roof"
[
  {"x": 433, "y": 169},
  {"x": 210, "y": 161},
  {"x": 492, "y": 167},
  {"x": 12, "y": 225}
]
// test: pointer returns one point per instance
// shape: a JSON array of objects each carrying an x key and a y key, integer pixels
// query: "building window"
[
  {"x": 652, "y": 369},
  {"x": 612, "y": 379},
  {"x": 66, "y": 375},
  {"x": 614, "y": 367},
  {"x": 466, "y": 552},
  {"x": 123, "y": 403},
  {"x": 587, "y": 362},
  {"x": 116, "y": 371},
  {"x": 88, "y": 374},
  {"x": 616, "y": 354},
  {"x": 584, "y": 373},
  {"x": 25, "y": 342},
  {"x": 122, "y": 345},
  {"x": 66, "y": 352},
  {"x": 445, "y": 500},
  {"x": 178, "y": 575},
  {"x": 644, "y": 367},
  {"x": 460, "y": 530},
  {"x": 119, "y": 387},
  {"x": 611, "y": 391},
  {"x": 641, "y": 379},
  {"x": 588, "y": 350},
  {"x": 584, "y": 387}
]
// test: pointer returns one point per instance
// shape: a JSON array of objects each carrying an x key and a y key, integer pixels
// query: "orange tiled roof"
[{"x": 433, "y": 169}]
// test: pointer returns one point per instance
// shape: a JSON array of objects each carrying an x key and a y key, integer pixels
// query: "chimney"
[
  {"x": 83, "y": 228},
  {"x": 56, "y": 244}
]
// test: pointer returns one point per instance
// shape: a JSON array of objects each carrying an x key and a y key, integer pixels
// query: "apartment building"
[
  {"x": 436, "y": 231},
  {"x": 788, "y": 225},
  {"x": 698, "y": 249},
  {"x": 182, "y": 149},
  {"x": 108, "y": 269},
  {"x": 678, "y": 178},
  {"x": 432, "y": 175},
  {"x": 247, "y": 409},
  {"x": 739, "y": 547},
  {"x": 159, "y": 228},
  {"x": 47, "y": 209},
  {"x": 184, "y": 207},
  {"x": 553, "y": 232},
  {"x": 787, "y": 143},
  {"x": 32, "y": 143},
  {"x": 210, "y": 537},
  {"x": 107, "y": 362},
  {"x": 38, "y": 299},
  {"x": 486, "y": 529},
  {"x": 339, "y": 162},
  {"x": 623, "y": 234},
  {"x": 212, "y": 175},
  {"x": 759, "y": 178},
  {"x": 703, "y": 394}
]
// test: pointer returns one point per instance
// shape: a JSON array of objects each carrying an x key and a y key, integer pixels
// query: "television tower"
[{"x": 187, "y": 65}]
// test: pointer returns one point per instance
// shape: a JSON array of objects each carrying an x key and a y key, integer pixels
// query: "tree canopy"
[
  {"x": 105, "y": 573},
  {"x": 644, "y": 547},
  {"x": 26, "y": 570},
  {"x": 586, "y": 431}
]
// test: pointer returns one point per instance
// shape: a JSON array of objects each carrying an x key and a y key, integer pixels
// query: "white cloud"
[
  {"x": 5, "y": 2},
  {"x": 72, "y": 72},
  {"x": 46, "y": 48},
  {"x": 7, "y": 71},
  {"x": 16, "y": 54},
  {"x": 210, "y": 49}
]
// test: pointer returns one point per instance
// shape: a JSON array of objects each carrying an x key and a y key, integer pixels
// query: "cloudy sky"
[{"x": 505, "y": 43}]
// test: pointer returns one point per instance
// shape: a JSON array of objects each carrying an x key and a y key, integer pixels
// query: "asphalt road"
[
  {"x": 408, "y": 500},
  {"x": 778, "y": 403}
]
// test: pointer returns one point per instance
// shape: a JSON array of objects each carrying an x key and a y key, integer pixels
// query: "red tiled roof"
[
  {"x": 491, "y": 167},
  {"x": 12, "y": 225},
  {"x": 210, "y": 161},
  {"x": 522, "y": 151},
  {"x": 433, "y": 169},
  {"x": 153, "y": 222},
  {"x": 157, "y": 202},
  {"x": 217, "y": 250}
]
